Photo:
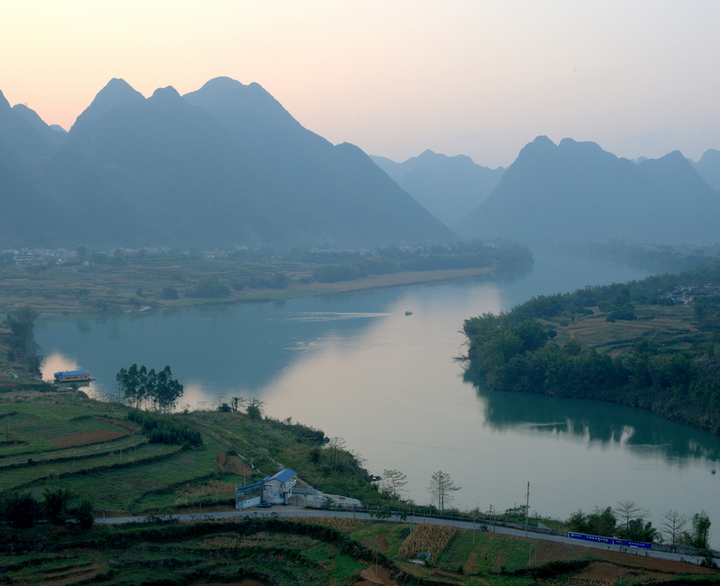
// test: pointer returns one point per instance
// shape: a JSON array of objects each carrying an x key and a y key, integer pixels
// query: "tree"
[
  {"x": 22, "y": 344},
  {"x": 638, "y": 531},
  {"x": 601, "y": 522},
  {"x": 22, "y": 511},
  {"x": 141, "y": 386},
  {"x": 335, "y": 446},
  {"x": 254, "y": 410},
  {"x": 56, "y": 504},
  {"x": 672, "y": 526},
  {"x": 441, "y": 489},
  {"x": 130, "y": 384},
  {"x": 578, "y": 522},
  {"x": 393, "y": 483},
  {"x": 167, "y": 390},
  {"x": 701, "y": 530},
  {"x": 236, "y": 403},
  {"x": 628, "y": 510},
  {"x": 85, "y": 514}
]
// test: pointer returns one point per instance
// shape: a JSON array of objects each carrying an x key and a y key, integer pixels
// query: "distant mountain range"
[
  {"x": 576, "y": 191},
  {"x": 448, "y": 187},
  {"x": 223, "y": 166},
  {"x": 228, "y": 166},
  {"x": 708, "y": 167}
]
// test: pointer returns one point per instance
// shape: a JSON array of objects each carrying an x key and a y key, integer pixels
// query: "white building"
[{"x": 277, "y": 489}]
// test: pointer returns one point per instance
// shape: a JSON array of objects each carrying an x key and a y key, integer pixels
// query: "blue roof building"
[{"x": 277, "y": 489}]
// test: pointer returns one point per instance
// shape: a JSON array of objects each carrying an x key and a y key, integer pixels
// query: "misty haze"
[{"x": 328, "y": 294}]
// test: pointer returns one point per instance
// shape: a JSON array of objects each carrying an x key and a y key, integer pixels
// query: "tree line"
[
  {"x": 626, "y": 520},
  {"x": 58, "y": 505},
  {"x": 22, "y": 347},
  {"x": 143, "y": 388},
  {"x": 350, "y": 266},
  {"x": 629, "y": 521}
]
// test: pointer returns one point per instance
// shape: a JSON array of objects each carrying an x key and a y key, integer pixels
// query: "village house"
[{"x": 277, "y": 489}]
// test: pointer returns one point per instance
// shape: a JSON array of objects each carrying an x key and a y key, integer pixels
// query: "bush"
[
  {"x": 85, "y": 514},
  {"x": 163, "y": 430},
  {"x": 56, "y": 502},
  {"x": 22, "y": 511}
]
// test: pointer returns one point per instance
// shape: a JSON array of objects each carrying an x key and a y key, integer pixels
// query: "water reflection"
[
  {"x": 642, "y": 433},
  {"x": 356, "y": 366}
]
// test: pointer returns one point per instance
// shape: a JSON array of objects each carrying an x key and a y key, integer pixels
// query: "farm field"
[
  {"x": 343, "y": 552},
  {"x": 667, "y": 327},
  {"x": 65, "y": 441},
  {"x": 157, "y": 283}
]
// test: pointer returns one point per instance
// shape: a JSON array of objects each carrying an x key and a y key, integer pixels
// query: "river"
[{"x": 357, "y": 367}]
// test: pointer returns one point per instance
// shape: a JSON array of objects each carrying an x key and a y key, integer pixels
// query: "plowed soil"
[
  {"x": 86, "y": 437},
  {"x": 373, "y": 576},
  {"x": 233, "y": 464}
]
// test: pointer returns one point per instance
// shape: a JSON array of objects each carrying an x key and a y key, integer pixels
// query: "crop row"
[
  {"x": 60, "y": 454},
  {"x": 26, "y": 476},
  {"x": 426, "y": 537},
  {"x": 44, "y": 428}
]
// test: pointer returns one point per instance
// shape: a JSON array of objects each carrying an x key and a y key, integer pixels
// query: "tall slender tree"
[
  {"x": 672, "y": 526},
  {"x": 441, "y": 489},
  {"x": 393, "y": 483}
]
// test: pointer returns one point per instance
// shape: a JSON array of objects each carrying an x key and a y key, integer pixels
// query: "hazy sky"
[{"x": 475, "y": 77}]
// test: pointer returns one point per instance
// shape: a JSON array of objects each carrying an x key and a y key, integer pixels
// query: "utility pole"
[{"x": 527, "y": 509}]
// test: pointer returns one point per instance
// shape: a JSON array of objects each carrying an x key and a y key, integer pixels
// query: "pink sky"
[{"x": 395, "y": 78}]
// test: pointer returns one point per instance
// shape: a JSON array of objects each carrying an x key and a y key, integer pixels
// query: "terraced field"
[{"x": 92, "y": 449}]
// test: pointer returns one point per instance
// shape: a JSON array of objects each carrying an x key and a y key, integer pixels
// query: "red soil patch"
[
  {"x": 615, "y": 564},
  {"x": 373, "y": 576},
  {"x": 233, "y": 464},
  {"x": 86, "y": 437}
]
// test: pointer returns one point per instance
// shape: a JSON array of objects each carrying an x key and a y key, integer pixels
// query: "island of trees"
[{"x": 649, "y": 344}]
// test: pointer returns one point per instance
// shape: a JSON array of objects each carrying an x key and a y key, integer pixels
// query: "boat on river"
[{"x": 72, "y": 376}]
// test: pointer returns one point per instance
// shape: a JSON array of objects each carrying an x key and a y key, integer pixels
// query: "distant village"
[
  {"x": 43, "y": 256},
  {"x": 687, "y": 293}
]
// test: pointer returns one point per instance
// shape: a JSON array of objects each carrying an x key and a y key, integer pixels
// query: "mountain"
[
  {"x": 20, "y": 136},
  {"x": 224, "y": 166},
  {"x": 576, "y": 191},
  {"x": 448, "y": 187},
  {"x": 54, "y": 133},
  {"x": 708, "y": 167}
]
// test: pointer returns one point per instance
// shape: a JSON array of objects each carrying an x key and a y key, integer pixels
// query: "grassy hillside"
[{"x": 62, "y": 440}]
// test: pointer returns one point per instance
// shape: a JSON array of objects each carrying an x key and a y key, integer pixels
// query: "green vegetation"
[
  {"x": 21, "y": 341},
  {"x": 139, "y": 462},
  {"x": 333, "y": 552},
  {"x": 627, "y": 343},
  {"x": 141, "y": 387},
  {"x": 130, "y": 282},
  {"x": 348, "y": 266},
  {"x": 164, "y": 430},
  {"x": 72, "y": 459}
]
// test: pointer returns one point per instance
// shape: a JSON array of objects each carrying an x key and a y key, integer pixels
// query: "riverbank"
[
  {"x": 134, "y": 288},
  {"x": 368, "y": 283},
  {"x": 648, "y": 344}
]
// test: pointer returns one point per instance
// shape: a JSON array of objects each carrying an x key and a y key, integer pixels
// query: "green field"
[{"x": 333, "y": 552}]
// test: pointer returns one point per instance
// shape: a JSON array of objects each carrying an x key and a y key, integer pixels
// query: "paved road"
[{"x": 287, "y": 511}]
